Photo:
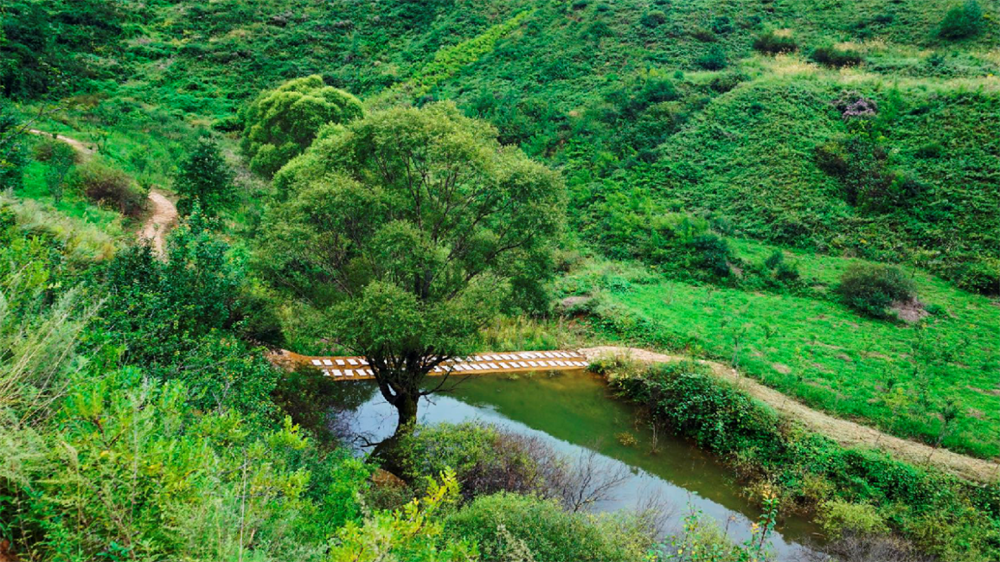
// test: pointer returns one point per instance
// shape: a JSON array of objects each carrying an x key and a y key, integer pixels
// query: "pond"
[{"x": 577, "y": 414}]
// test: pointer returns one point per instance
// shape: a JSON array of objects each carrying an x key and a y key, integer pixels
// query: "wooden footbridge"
[{"x": 356, "y": 368}]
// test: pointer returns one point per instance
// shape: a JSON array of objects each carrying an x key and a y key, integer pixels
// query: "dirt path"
[
  {"x": 159, "y": 223},
  {"x": 164, "y": 213},
  {"x": 845, "y": 432},
  {"x": 83, "y": 150}
]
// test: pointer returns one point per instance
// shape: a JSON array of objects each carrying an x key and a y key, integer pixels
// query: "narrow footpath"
[{"x": 163, "y": 216}]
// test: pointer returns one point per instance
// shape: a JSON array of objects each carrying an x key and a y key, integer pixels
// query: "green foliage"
[
  {"x": 107, "y": 185},
  {"x": 49, "y": 46},
  {"x": 717, "y": 416},
  {"x": 12, "y": 152},
  {"x": 413, "y": 533},
  {"x": 204, "y": 179},
  {"x": 714, "y": 58},
  {"x": 511, "y": 527},
  {"x": 131, "y": 469},
  {"x": 838, "y": 517},
  {"x": 872, "y": 290},
  {"x": 962, "y": 21},
  {"x": 836, "y": 57},
  {"x": 60, "y": 157},
  {"x": 865, "y": 491},
  {"x": 410, "y": 226},
  {"x": 775, "y": 42},
  {"x": 178, "y": 319},
  {"x": 486, "y": 459},
  {"x": 283, "y": 122}
]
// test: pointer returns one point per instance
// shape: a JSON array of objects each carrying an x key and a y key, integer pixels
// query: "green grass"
[{"x": 817, "y": 350}]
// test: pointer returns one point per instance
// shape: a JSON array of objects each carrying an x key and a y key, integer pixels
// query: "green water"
[{"x": 577, "y": 413}]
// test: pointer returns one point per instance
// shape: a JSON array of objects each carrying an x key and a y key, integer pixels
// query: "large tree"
[
  {"x": 410, "y": 228},
  {"x": 283, "y": 122}
]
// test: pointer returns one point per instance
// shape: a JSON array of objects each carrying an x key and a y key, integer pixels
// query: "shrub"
[
  {"x": 775, "y": 42},
  {"x": 718, "y": 416},
  {"x": 726, "y": 82},
  {"x": 111, "y": 186},
  {"x": 535, "y": 529},
  {"x": 713, "y": 59},
  {"x": 654, "y": 18},
  {"x": 60, "y": 157},
  {"x": 872, "y": 289},
  {"x": 722, "y": 25},
  {"x": 832, "y": 158},
  {"x": 839, "y": 518},
  {"x": 836, "y": 57},
  {"x": 704, "y": 35},
  {"x": 962, "y": 21},
  {"x": 486, "y": 459}
]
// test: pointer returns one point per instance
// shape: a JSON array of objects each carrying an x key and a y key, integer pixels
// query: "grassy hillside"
[
  {"x": 900, "y": 377},
  {"x": 667, "y": 97}
]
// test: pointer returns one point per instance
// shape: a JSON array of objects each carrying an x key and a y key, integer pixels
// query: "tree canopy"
[
  {"x": 283, "y": 122},
  {"x": 409, "y": 227}
]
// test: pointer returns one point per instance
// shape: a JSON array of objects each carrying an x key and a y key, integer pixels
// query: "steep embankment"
[{"x": 845, "y": 432}]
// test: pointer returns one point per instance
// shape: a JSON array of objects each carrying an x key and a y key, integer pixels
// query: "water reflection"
[{"x": 574, "y": 414}]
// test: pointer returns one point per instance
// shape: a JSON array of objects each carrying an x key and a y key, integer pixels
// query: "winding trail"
[
  {"x": 164, "y": 213},
  {"x": 845, "y": 432}
]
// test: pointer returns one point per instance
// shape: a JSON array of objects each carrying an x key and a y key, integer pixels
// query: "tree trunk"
[{"x": 389, "y": 453}]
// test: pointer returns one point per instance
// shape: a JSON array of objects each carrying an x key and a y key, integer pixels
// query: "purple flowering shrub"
[{"x": 853, "y": 105}]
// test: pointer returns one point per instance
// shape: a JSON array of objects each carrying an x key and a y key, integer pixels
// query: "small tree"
[
  {"x": 409, "y": 228},
  {"x": 60, "y": 160},
  {"x": 205, "y": 178},
  {"x": 283, "y": 122}
]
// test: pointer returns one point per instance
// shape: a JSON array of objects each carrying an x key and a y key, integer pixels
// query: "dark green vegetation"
[
  {"x": 854, "y": 492},
  {"x": 741, "y": 157},
  {"x": 405, "y": 233}
]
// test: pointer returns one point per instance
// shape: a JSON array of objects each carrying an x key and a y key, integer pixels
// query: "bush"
[
  {"x": 726, "y": 82},
  {"x": 486, "y": 459},
  {"x": 836, "y": 57},
  {"x": 962, "y": 21},
  {"x": 872, "y": 289},
  {"x": 832, "y": 158},
  {"x": 775, "y": 42},
  {"x": 109, "y": 186},
  {"x": 713, "y": 59},
  {"x": 717, "y": 415},
  {"x": 722, "y": 25},
  {"x": 514, "y": 527},
  {"x": 654, "y": 18},
  {"x": 840, "y": 518},
  {"x": 59, "y": 157}
]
